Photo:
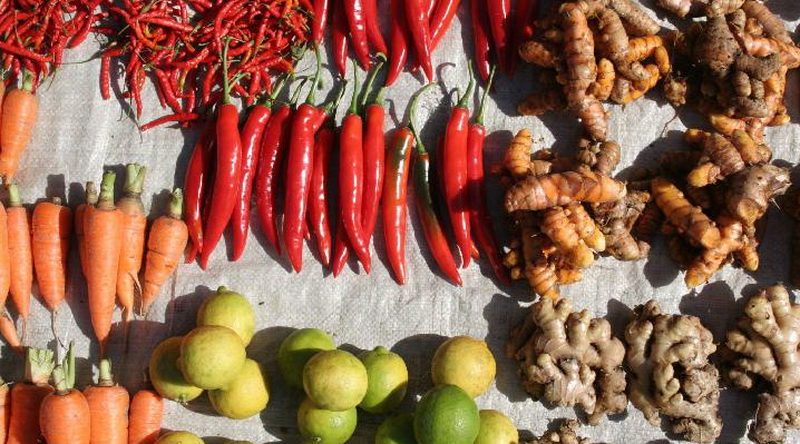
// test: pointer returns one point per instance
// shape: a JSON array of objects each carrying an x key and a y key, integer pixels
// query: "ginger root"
[
  {"x": 670, "y": 373},
  {"x": 766, "y": 348},
  {"x": 567, "y": 433},
  {"x": 570, "y": 359}
]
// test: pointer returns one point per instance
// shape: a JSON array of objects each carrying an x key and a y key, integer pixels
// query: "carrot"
[
  {"x": 168, "y": 238},
  {"x": 26, "y": 397},
  {"x": 51, "y": 225},
  {"x": 16, "y": 126},
  {"x": 64, "y": 414},
  {"x": 108, "y": 404},
  {"x": 9, "y": 333},
  {"x": 5, "y": 263},
  {"x": 5, "y": 399},
  {"x": 147, "y": 408},
  {"x": 134, "y": 223},
  {"x": 20, "y": 255},
  {"x": 103, "y": 230},
  {"x": 80, "y": 212}
]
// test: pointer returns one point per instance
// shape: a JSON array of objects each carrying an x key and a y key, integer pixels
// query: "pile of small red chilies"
[
  {"x": 178, "y": 43},
  {"x": 497, "y": 35},
  {"x": 34, "y": 34}
]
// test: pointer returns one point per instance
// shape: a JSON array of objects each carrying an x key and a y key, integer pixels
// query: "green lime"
[
  {"x": 335, "y": 380},
  {"x": 247, "y": 395},
  {"x": 228, "y": 309},
  {"x": 297, "y": 349},
  {"x": 320, "y": 426},
  {"x": 465, "y": 362},
  {"x": 165, "y": 374},
  {"x": 446, "y": 415},
  {"x": 179, "y": 438},
  {"x": 211, "y": 356},
  {"x": 496, "y": 428},
  {"x": 397, "y": 430},
  {"x": 387, "y": 377}
]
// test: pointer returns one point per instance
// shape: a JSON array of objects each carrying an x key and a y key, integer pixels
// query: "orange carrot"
[
  {"x": 19, "y": 253},
  {"x": 16, "y": 126},
  {"x": 147, "y": 408},
  {"x": 51, "y": 225},
  {"x": 108, "y": 404},
  {"x": 2, "y": 96},
  {"x": 5, "y": 263},
  {"x": 9, "y": 333},
  {"x": 168, "y": 238},
  {"x": 134, "y": 223},
  {"x": 5, "y": 403},
  {"x": 26, "y": 398},
  {"x": 64, "y": 414},
  {"x": 91, "y": 200},
  {"x": 103, "y": 230}
]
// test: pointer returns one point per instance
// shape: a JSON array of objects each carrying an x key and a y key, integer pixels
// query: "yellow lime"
[
  {"x": 335, "y": 380},
  {"x": 387, "y": 377},
  {"x": 211, "y": 356},
  {"x": 465, "y": 362},
  {"x": 397, "y": 430},
  {"x": 179, "y": 438},
  {"x": 165, "y": 374},
  {"x": 297, "y": 349},
  {"x": 446, "y": 415},
  {"x": 247, "y": 395},
  {"x": 320, "y": 426},
  {"x": 229, "y": 309},
  {"x": 496, "y": 428}
]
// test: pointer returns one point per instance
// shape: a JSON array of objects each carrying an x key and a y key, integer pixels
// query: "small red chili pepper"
[
  {"x": 340, "y": 45},
  {"x": 373, "y": 26},
  {"x": 177, "y": 117},
  {"x": 400, "y": 37},
  {"x": 321, "y": 8},
  {"x": 455, "y": 178},
  {"x": 481, "y": 38},
  {"x": 498, "y": 12},
  {"x": 440, "y": 20},
  {"x": 105, "y": 76},
  {"x": 195, "y": 187},
  {"x": 395, "y": 193},
  {"x": 228, "y": 171},
  {"x": 318, "y": 208},
  {"x": 417, "y": 18},
  {"x": 479, "y": 218},
  {"x": 354, "y": 10}
]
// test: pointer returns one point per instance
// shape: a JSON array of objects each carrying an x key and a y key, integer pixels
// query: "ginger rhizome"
[
  {"x": 566, "y": 433},
  {"x": 670, "y": 374},
  {"x": 766, "y": 352},
  {"x": 570, "y": 359},
  {"x": 599, "y": 50}
]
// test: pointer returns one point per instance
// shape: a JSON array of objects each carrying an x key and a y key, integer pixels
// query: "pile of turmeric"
[
  {"x": 732, "y": 66},
  {"x": 598, "y": 50}
]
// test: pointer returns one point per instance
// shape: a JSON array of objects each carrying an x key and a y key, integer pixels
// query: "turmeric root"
[
  {"x": 751, "y": 191},
  {"x": 684, "y": 216},
  {"x": 602, "y": 157},
  {"x": 712, "y": 259},
  {"x": 538, "y": 53},
  {"x": 617, "y": 219},
  {"x": 640, "y": 48},
  {"x": 581, "y": 69},
  {"x": 556, "y": 225},
  {"x": 517, "y": 157},
  {"x": 601, "y": 88},
  {"x": 772, "y": 25},
  {"x": 583, "y": 185},
  {"x": 541, "y": 103}
]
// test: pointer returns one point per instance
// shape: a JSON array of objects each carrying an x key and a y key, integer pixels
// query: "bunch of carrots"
[{"x": 34, "y": 410}]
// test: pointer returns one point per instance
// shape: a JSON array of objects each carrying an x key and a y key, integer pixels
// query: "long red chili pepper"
[
  {"x": 195, "y": 187},
  {"x": 440, "y": 20},
  {"x": 431, "y": 227},
  {"x": 524, "y": 17},
  {"x": 455, "y": 179},
  {"x": 318, "y": 208},
  {"x": 340, "y": 45},
  {"x": 351, "y": 180},
  {"x": 228, "y": 171},
  {"x": 252, "y": 135},
  {"x": 320, "y": 21},
  {"x": 395, "y": 194},
  {"x": 417, "y": 17},
  {"x": 399, "y": 54},
  {"x": 373, "y": 26},
  {"x": 298, "y": 172},
  {"x": 498, "y": 12},
  {"x": 481, "y": 38},
  {"x": 341, "y": 250},
  {"x": 354, "y": 10},
  {"x": 479, "y": 218},
  {"x": 374, "y": 153}
]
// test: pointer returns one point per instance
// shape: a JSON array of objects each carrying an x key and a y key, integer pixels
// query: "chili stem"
[
  {"x": 412, "y": 115},
  {"x": 371, "y": 80},
  {"x": 312, "y": 95},
  {"x": 482, "y": 106},
  {"x": 354, "y": 101},
  {"x": 464, "y": 101}
]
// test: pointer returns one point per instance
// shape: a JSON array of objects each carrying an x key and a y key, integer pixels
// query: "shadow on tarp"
[
  {"x": 502, "y": 314},
  {"x": 417, "y": 351}
]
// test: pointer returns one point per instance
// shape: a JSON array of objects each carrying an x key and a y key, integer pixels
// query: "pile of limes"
[
  {"x": 336, "y": 382},
  {"x": 212, "y": 357}
]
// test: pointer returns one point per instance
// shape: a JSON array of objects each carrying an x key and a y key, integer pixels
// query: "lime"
[
  {"x": 446, "y": 415},
  {"x": 229, "y": 309},
  {"x": 247, "y": 395},
  {"x": 465, "y": 362},
  {"x": 397, "y": 430},
  {"x": 165, "y": 374},
  {"x": 387, "y": 377},
  {"x": 320, "y": 426},
  {"x": 211, "y": 356},
  {"x": 297, "y": 349},
  {"x": 179, "y": 438},
  {"x": 335, "y": 380},
  {"x": 496, "y": 428}
]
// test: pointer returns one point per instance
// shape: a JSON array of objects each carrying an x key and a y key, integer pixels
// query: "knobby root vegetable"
[
  {"x": 583, "y": 185},
  {"x": 566, "y": 433},
  {"x": 685, "y": 217}
]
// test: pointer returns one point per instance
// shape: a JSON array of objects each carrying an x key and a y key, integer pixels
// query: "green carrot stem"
[
  {"x": 106, "y": 199},
  {"x": 91, "y": 193},
  {"x": 27, "y": 81},
  {"x": 13, "y": 196},
  {"x": 106, "y": 378},
  {"x": 134, "y": 179},
  {"x": 39, "y": 364},
  {"x": 176, "y": 204}
]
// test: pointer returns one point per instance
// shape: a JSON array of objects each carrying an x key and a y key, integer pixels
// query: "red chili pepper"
[
  {"x": 417, "y": 17},
  {"x": 320, "y": 222},
  {"x": 481, "y": 38},
  {"x": 399, "y": 53},
  {"x": 340, "y": 46},
  {"x": 351, "y": 180},
  {"x": 341, "y": 250},
  {"x": 195, "y": 187},
  {"x": 524, "y": 17},
  {"x": 321, "y": 8},
  {"x": 374, "y": 152},
  {"x": 105, "y": 76},
  {"x": 480, "y": 220},
  {"x": 354, "y": 10},
  {"x": 229, "y": 168},
  {"x": 440, "y": 20},
  {"x": 178, "y": 117},
  {"x": 455, "y": 178},
  {"x": 395, "y": 193},
  {"x": 498, "y": 12},
  {"x": 373, "y": 26}
]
